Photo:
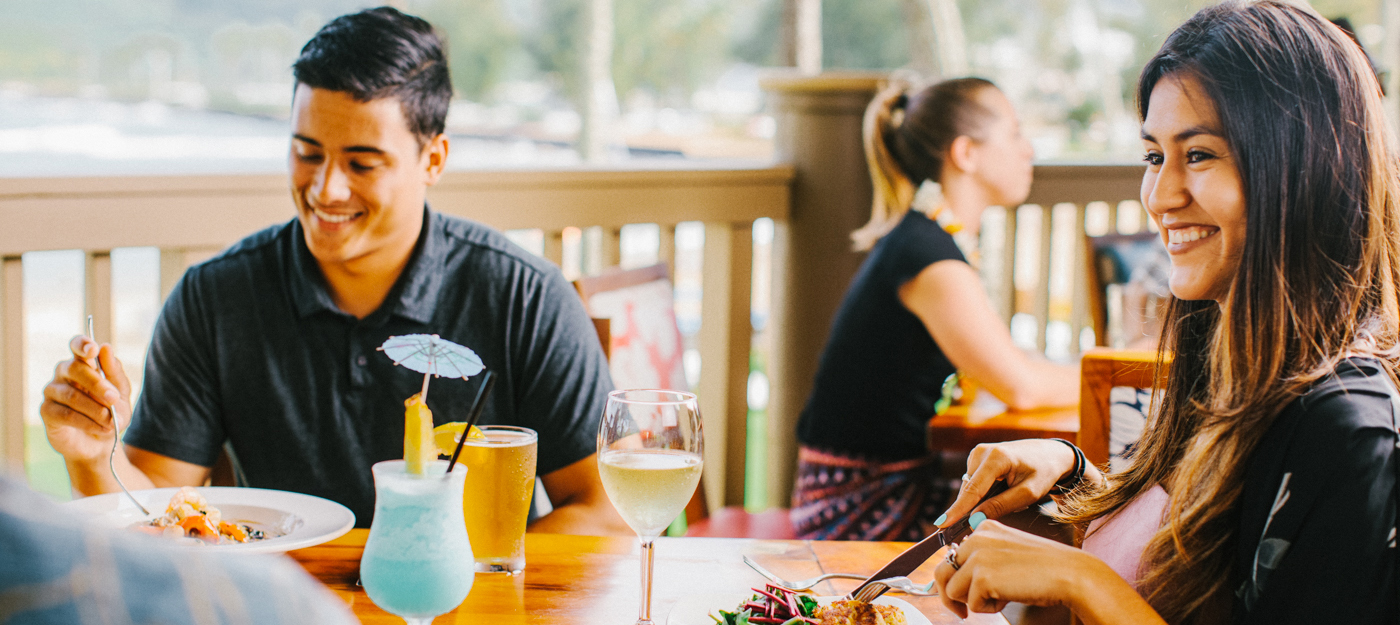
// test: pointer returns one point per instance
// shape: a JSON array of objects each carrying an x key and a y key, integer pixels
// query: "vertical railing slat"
[
  {"x": 97, "y": 299},
  {"x": 174, "y": 262},
  {"x": 666, "y": 248},
  {"x": 609, "y": 248},
  {"x": 726, "y": 337},
  {"x": 12, "y": 364},
  {"x": 1079, "y": 307},
  {"x": 1042, "y": 288},
  {"x": 1008, "y": 264},
  {"x": 554, "y": 247}
]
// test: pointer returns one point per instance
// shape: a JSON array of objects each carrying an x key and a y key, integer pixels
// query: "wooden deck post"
[{"x": 819, "y": 133}]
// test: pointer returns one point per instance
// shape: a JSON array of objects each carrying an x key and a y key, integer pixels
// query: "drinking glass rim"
[
  {"x": 531, "y": 436},
  {"x": 395, "y": 470},
  {"x": 683, "y": 396}
]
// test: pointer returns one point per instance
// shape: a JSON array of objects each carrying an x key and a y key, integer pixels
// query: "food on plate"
[
  {"x": 782, "y": 606},
  {"x": 859, "y": 613},
  {"x": 771, "y": 604},
  {"x": 190, "y": 516}
]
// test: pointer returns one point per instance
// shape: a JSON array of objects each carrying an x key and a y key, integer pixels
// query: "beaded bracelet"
[{"x": 1070, "y": 481}]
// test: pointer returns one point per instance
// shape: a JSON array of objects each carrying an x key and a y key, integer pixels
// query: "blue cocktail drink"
[{"x": 417, "y": 562}]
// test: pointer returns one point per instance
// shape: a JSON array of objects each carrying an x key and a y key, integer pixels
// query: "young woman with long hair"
[
  {"x": 915, "y": 313},
  {"x": 1264, "y": 488}
]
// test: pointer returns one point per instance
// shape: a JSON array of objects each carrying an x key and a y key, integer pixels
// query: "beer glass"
[{"x": 496, "y": 499}]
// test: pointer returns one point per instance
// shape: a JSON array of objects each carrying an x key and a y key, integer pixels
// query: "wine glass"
[
  {"x": 649, "y": 456},
  {"x": 417, "y": 561}
]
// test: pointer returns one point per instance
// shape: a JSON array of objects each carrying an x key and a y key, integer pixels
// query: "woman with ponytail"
[
  {"x": 915, "y": 313},
  {"x": 1264, "y": 488}
]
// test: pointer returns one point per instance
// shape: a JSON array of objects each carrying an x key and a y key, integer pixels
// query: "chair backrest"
[
  {"x": 646, "y": 348},
  {"x": 1115, "y": 259},
  {"x": 1101, "y": 371},
  {"x": 604, "y": 329}
]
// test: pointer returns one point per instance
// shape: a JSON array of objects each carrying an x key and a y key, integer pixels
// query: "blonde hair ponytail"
[
  {"x": 894, "y": 191},
  {"x": 906, "y": 137}
]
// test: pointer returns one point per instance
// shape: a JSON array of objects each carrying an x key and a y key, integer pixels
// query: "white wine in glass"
[{"x": 650, "y": 446}]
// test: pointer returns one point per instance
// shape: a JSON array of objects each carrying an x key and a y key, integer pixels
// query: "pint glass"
[{"x": 496, "y": 497}]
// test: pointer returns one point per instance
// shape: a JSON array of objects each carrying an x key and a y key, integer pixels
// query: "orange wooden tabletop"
[
  {"x": 987, "y": 420},
  {"x": 595, "y": 580}
]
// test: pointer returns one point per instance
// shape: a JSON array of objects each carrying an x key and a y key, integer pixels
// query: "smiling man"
[{"x": 268, "y": 350}]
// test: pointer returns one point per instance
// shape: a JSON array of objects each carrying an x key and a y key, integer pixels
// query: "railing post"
[
  {"x": 12, "y": 364},
  {"x": 819, "y": 132},
  {"x": 97, "y": 280},
  {"x": 726, "y": 338}
]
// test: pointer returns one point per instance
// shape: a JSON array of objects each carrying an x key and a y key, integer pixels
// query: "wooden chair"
[
  {"x": 644, "y": 344},
  {"x": 645, "y": 349},
  {"x": 1100, "y": 371}
]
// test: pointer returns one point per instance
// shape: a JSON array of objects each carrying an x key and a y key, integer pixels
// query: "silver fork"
[
  {"x": 116, "y": 439},
  {"x": 900, "y": 584},
  {"x": 802, "y": 584}
]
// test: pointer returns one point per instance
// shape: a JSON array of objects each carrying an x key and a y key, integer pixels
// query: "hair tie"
[{"x": 897, "y": 110}]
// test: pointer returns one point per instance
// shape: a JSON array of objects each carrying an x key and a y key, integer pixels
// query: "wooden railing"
[
  {"x": 1034, "y": 264},
  {"x": 191, "y": 218}
]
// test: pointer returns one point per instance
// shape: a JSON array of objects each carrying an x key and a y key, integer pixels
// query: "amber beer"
[{"x": 496, "y": 496}]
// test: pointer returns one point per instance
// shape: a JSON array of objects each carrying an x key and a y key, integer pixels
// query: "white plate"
[
  {"x": 696, "y": 610},
  {"x": 292, "y": 520}
]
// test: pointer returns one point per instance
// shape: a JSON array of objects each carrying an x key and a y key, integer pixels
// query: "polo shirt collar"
[{"x": 414, "y": 295}]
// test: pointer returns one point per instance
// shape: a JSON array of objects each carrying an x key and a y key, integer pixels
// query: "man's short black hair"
[{"x": 382, "y": 53}]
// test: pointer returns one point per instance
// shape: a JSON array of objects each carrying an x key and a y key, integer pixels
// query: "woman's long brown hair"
[{"x": 1301, "y": 110}]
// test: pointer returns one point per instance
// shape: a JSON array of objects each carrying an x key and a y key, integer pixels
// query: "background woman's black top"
[
  {"x": 1318, "y": 511},
  {"x": 881, "y": 372}
]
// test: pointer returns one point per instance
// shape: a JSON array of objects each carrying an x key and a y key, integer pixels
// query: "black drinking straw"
[{"x": 479, "y": 404}]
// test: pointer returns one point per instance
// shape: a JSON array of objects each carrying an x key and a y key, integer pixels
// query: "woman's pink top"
[{"x": 1119, "y": 540}]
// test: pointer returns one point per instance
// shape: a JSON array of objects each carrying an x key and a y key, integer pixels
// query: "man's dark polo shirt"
[{"x": 250, "y": 349}]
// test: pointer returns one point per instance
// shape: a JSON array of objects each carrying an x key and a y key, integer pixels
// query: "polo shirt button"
[{"x": 362, "y": 361}]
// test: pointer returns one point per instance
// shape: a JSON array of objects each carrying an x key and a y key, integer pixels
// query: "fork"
[
  {"x": 802, "y": 584},
  {"x": 116, "y": 438},
  {"x": 901, "y": 584}
]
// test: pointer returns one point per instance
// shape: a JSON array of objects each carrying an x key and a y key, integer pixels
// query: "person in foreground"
[
  {"x": 271, "y": 346},
  {"x": 54, "y": 569},
  {"x": 915, "y": 313},
  {"x": 1264, "y": 488}
]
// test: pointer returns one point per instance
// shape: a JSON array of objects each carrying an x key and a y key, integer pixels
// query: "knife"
[{"x": 913, "y": 557}]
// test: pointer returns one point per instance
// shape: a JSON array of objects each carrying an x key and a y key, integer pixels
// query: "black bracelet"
[{"x": 1070, "y": 481}]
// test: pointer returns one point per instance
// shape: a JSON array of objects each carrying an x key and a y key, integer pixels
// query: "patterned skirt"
[{"x": 842, "y": 497}]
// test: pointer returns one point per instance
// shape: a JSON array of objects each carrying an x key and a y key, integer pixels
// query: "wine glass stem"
[
  {"x": 644, "y": 615},
  {"x": 416, "y": 620}
]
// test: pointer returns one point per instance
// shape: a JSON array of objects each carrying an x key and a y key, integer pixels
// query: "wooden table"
[
  {"x": 988, "y": 420},
  {"x": 595, "y": 580}
]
